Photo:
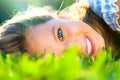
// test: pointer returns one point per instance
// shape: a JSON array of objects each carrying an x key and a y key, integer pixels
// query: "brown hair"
[{"x": 12, "y": 33}]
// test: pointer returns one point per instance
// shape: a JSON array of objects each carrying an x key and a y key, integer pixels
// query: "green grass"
[{"x": 71, "y": 65}]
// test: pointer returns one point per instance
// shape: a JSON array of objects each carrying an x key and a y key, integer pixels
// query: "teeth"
[{"x": 88, "y": 46}]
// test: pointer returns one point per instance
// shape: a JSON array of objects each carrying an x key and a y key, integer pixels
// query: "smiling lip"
[{"x": 90, "y": 45}]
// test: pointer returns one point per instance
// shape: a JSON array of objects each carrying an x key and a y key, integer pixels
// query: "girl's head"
[{"x": 35, "y": 33}]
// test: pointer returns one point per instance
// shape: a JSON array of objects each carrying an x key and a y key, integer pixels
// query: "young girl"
[{"x": 36, "y": 31}]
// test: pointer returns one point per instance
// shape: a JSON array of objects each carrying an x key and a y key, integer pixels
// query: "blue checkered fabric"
[{"x": 107, "y": 10}]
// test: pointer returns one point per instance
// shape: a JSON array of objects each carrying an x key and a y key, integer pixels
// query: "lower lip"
[{"x": 92, "y": 45}]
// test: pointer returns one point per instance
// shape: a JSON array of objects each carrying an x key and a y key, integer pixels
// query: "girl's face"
[{"x": 58, "y": 34}]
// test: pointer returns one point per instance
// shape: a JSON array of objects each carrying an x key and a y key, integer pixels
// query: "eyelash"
[{"x": 60, "y": 34}]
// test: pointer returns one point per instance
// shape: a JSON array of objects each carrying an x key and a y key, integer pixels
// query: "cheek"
[
  {"x": 57, "y": 49},
  {"x": 78, "y": 41},
  {"x": 47, "y": 44}
]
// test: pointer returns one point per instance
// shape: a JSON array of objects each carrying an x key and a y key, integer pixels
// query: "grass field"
[{"x": 71, "y": 65}]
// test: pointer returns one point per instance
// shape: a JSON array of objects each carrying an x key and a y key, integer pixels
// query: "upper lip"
[{"x": 90, "y": 45}]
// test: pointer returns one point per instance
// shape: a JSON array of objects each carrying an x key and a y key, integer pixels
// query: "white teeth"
[{"x": 89, "y": 46}]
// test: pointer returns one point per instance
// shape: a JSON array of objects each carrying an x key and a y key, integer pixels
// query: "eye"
[{"x": 60, "y": 34}]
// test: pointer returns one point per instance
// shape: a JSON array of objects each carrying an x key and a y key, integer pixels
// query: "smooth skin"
[{"x": 58, "y": 34}]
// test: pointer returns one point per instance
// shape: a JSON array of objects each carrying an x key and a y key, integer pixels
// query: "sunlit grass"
[{"x": 71, "y": 65}]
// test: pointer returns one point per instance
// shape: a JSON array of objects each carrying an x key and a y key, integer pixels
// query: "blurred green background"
[{"x": 10, "y": 7}]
